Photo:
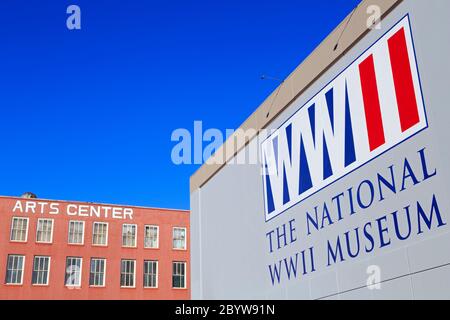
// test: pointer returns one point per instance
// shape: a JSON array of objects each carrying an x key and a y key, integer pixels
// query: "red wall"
[{"x": 113, "y": 253}]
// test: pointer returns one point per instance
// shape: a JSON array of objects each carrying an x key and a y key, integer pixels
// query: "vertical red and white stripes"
[{"x": 404, "y": 90}]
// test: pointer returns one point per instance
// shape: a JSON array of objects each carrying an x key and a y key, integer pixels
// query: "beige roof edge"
[{"x": 319, "y": 61}]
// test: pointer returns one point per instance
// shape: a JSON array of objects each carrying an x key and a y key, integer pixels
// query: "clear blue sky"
[{"x": 87, "y": 115}]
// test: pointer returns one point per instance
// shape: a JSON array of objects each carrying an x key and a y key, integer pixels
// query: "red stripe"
[
  {"x": 372, "y": 107},
  {"x": 403, "y": 80}
]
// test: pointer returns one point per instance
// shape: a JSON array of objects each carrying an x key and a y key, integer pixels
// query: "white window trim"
[
  {"x": 23, "y": 267},
  {"x": 134, "y": 273},
  {"x": 81, "y": 274},
  {"x": 51, "y": 234},
  {"x": 185, "y": 275},
  {"x": 68, "y": 234},
  {"x": 48, "y": 273},
  {"x": 26, "y": 233},
  {"x": 107, "y": 234},
  {"x": 185, "y": 239},
  {"x": 157, "y": 239},
  {"x": 157, "y": 274},
  {"x": 136, "y": 236},
  {"x": 104, "y": 275}
]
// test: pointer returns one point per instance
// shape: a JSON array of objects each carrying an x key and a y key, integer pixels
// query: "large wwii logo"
[{"x": 373, "y": 105}]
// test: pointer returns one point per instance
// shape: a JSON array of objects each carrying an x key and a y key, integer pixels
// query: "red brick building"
[{"x": 72, "y": 250}]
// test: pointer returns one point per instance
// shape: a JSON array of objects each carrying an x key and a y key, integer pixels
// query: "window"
[
  {"x": 179, "y": 238},
  {"x": 14, "y": 269},
  {"x": 44, "y": 232},
  {"x": 19, "y": 229},
  {"x": 73, "y": 271},
  {"x": 100, "y": 234},
  {"x": 97, "y": 275},
  {"x": 179, "y": 275},
  {"x": 127, "y": 273},
  {"x": 150, "y": 274},
  {"x": 41, "y": 270},
  {"x": 151, "y": 237},
  {"x": 129, "y": 235},
  {"x": 76, "y": 232}
]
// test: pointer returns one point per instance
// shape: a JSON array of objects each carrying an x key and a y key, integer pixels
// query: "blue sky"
[{"x": 88, "y": 115}]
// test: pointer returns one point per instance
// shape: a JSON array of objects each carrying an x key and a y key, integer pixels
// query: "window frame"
[
  {"x": 81, "y": 273},
  {"x": 23, "y": 269},
  {"x": 184, "y": 276},
  {"x": 51, "y": 231},
  {"x": 26, "y": 232},
  {"x": 82, "y": 238},
  {"x": 157, "y": 235},
  {"x": 104, "y": 273},
  {"x": 47, "y": 282},
  {"x": 135, "y": 235},
  {"x": 134, "y": 274},
  {"x": 157, "y": 274},
  {"x": 185, "y": 238},
  {"x": 107, "y": 234}
]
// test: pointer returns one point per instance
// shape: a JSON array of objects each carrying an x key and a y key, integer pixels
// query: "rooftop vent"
[{"x": 29, "y": 195}]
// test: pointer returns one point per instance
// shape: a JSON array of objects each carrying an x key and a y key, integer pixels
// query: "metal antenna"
[
  {"x": 265, "y": 77},
  {"x": 345, "y": 28}
]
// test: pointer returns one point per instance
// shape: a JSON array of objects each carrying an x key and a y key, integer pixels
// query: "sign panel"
[
  {"x": 352, "y": 184},
  {"x": 374, "y": 105}
]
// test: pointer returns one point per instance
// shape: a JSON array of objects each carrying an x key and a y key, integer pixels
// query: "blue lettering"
[{"x": 421, "y": 216}]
